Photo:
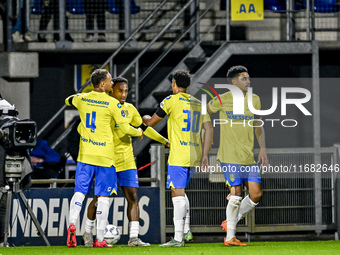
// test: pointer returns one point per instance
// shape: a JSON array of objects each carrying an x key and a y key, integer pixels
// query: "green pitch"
[{"x": 254, "y": 248}]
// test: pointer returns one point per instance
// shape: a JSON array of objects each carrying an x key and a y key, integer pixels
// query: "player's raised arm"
[
  {"x": 68, "y": 100},
  {"x": 129, "y": 130},
  {"x": 154, "y": 135},
  {"x": 152, "y": 121},
  {"x": 148, "y": 131}
]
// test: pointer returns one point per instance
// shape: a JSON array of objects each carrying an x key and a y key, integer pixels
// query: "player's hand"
[
  {"x": 141, "y": 137},
  {"x": 167, "y": 145},
  {"x": 205, "y": 164},
  {"x": 263, "y": 159},
  {"x": 146, "y": 118}
]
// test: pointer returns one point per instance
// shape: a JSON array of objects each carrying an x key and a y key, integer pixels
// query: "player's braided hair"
[
  {"x": 235, "y": 71},
  {"x": 182, "y": 78},
  {"x": 98, "y": 76}
]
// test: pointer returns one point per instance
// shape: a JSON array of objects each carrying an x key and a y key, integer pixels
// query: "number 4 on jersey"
[{"x": 91, "y": 121}]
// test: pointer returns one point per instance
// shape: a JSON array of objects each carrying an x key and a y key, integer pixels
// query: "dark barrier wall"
[{"x": 51, "y": 207}]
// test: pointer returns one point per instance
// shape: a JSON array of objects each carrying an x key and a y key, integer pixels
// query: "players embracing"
[
  {"x": 98, "y": 112},
  {"x": 124, "y": 162}
]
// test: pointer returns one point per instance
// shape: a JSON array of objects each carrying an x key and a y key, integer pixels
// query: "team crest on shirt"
[
  {"x": 123, "y": 113},
  {"x": 232, "y": 177},
  {"x": 126, "y": 113}
]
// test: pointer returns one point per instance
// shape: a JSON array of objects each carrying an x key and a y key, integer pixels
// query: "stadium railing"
[
  {"x": 304, "y": 21},
  {"x": 55, "y": 183},
  {"x": 289, "y": 201}
]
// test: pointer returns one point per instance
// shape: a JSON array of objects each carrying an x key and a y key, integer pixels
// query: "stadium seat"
[
  {"x": 75, "y": 6},
  {"x": 324, "y": 6},
  {"x": 278, "y": 5},
  {"x": 117, "y": 6},
  {"x": 36, "y": 7}
]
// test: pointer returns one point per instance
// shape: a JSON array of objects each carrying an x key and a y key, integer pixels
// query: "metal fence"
[
  {"x": 115, "y": 18},
  {"x": 289, "y": 201},
  {"x": 285, "y": 20}
]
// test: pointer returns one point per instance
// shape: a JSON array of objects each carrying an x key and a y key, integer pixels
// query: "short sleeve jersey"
[
  {"x": 123, "y": 154},
  {"x": 184, "y": 127},
  {"x": 236, "y": 131},
  {"x": 98, "y": 112}
]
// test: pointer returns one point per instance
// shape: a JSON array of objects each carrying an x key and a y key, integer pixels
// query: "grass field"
[{"x": 254, "y": 248}]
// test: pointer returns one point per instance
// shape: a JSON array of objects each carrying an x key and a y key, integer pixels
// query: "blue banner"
[{"x": 51, "y": 207}]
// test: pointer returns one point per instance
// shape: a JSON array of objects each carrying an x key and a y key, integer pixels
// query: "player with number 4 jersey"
[
  {"x": 124, "y": 162},
  {"x": 98, "y": 113}
]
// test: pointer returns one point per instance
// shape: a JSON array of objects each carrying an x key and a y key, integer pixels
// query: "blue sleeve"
[{"x": 43, "y": 150}]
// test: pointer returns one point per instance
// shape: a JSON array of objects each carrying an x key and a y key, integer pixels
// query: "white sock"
[
  {"x": 187, "y": 215},
  {"x": 102, "y": 214},
  {"x": 89, "y": 225},
  {"x": 246, "y": 206},
  {"x": 232, "y": 212},
  {"x": 75, "y": 207},
  {"x": 134, "y": 229},
  {"x": 179, "y": 217}
]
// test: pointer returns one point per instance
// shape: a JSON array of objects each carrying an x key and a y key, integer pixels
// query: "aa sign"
[{"x": 246, "y": 10}]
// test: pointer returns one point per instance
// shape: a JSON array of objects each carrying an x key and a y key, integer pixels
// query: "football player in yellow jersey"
[
  {"x": 184, "y": 125},
  {"x": 236, "y": 153},
  {"x": 98, "y": 112},
  {"x": 125, "y": 165}
]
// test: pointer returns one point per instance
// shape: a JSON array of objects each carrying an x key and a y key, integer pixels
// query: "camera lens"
[{"x": 24, "y": 133}]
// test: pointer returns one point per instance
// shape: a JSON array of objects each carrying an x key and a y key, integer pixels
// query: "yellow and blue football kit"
[
  {"x": 124, "y": 160},
  {"x": 184, "y": 127},
  {"x": 236, "y": 140},
  {"x": 98, "y": 112}
]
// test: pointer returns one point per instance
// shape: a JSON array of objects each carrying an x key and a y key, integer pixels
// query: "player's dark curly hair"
[
  {"x": 119, "y": 79},
  {"x": 235, "y": 71},
  {"x": 98, "y": 76},
  {"x": 182, "y": 78}
]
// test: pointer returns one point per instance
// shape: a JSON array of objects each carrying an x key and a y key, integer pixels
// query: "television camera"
[{"x": 16, "y": 138}]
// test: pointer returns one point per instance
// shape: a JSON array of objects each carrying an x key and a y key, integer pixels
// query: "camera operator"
[{"x": 45, "y": 161}]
